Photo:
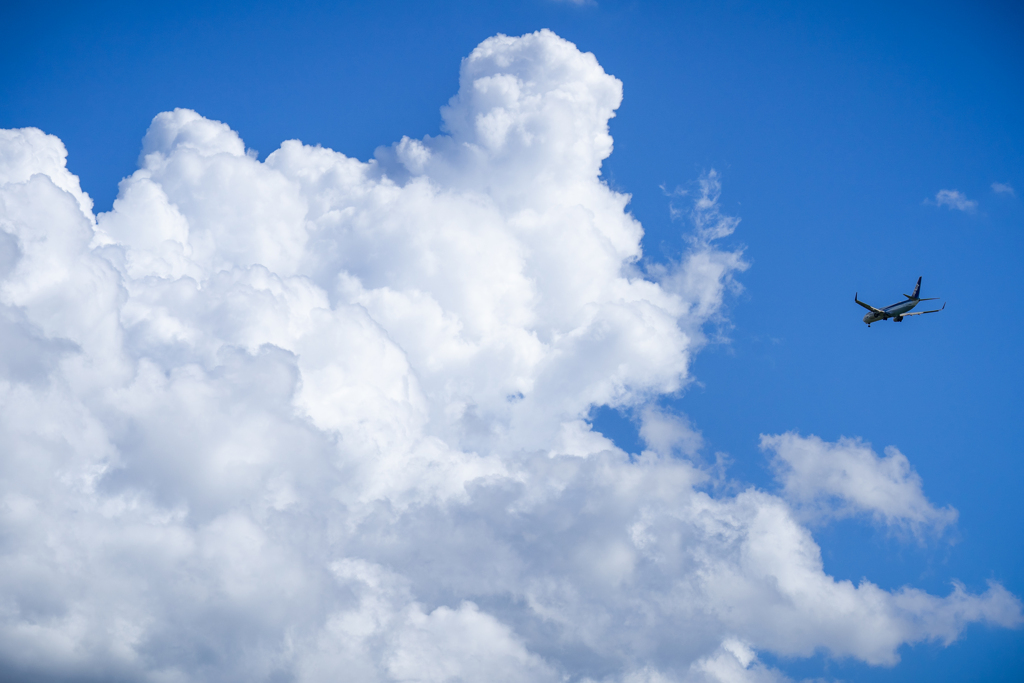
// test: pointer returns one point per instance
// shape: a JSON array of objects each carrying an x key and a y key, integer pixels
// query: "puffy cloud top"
[
  {"x": 847, "y": 477},
  {"x": 28, "y": 151},
  {"x": 315, "y": 417}
]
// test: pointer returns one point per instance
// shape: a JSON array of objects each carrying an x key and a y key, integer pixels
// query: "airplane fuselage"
[{"x": 895, "y": 311}]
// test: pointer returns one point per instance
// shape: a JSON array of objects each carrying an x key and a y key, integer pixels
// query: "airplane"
[{"x": 897, "y": 311}]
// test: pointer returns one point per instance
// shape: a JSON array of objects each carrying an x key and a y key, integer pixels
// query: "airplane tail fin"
[{"x": 917, "y": 291}]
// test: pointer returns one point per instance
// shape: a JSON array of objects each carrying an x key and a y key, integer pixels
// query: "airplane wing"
[
  {"x": 868, "y": 306},
  {"x": 907, "y": 315}
]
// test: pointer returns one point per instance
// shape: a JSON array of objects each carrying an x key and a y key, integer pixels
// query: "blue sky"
[{"x": 833, "y": 129}]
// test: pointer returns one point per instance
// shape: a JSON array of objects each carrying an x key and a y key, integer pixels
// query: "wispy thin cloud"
[
  {"x": 674, "y": 211},
  {"x": 955, "y": 199},
  {"x": 1003, "y": 188}
]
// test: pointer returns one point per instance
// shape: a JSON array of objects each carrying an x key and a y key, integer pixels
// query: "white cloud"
[
  {"x": 734, "y": 662},
  {"x": 314, "y": 415},
  {"x": 955, "y": 199},
  {"x": 1003, "y": 188},
  {"x": 28, "y": 151},
  {"x": 668, "y": 434},
  {"x": 847, "y": 477}
]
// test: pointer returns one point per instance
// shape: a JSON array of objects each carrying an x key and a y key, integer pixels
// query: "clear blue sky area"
[{"x": 833, "y": 125}]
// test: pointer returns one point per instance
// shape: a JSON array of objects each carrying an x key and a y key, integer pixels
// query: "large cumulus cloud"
[{"x": 318, "y": 419}]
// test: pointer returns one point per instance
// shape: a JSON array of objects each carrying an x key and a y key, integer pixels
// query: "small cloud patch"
[{"x": 955, "y": 199}]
